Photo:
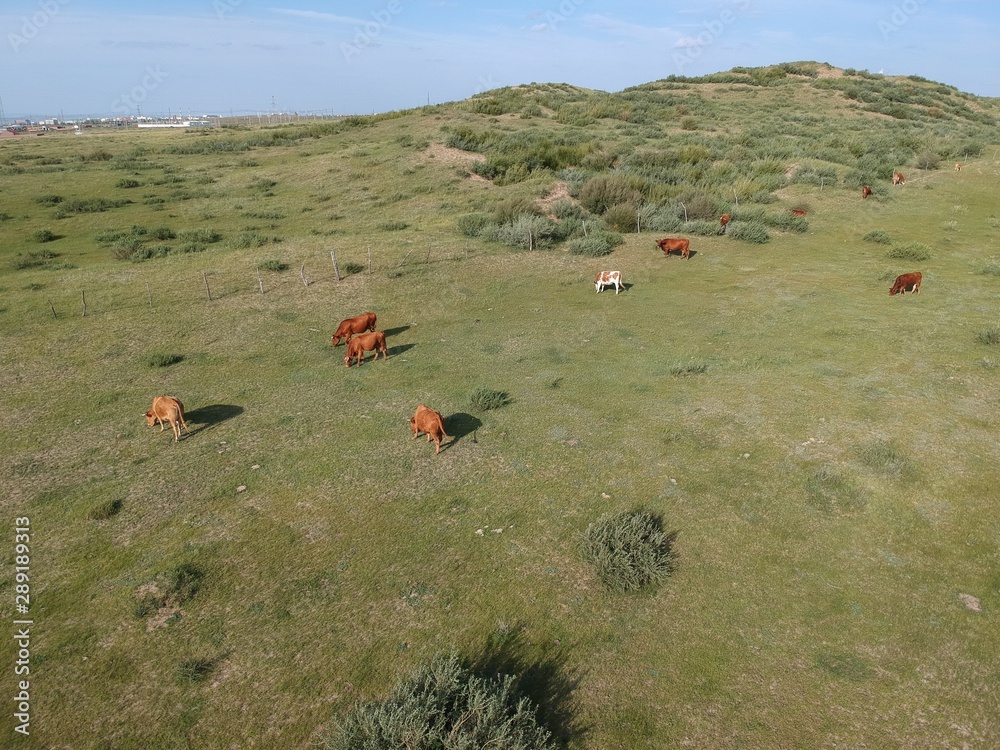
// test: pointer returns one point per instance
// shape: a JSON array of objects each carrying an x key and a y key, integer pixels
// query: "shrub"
[
  {"x": 927, "y": 160},
  {"x": 991, "y": 269},
  {"x": 484, "y": 399},
  {"x": 473, "y": 225},
  {"x": 513, "y": 208},
  {"x": 599, "y": 193},
  {"x": 688, "y": 368},
  {"x": 170, "y": 588},
  {"x": 882, "y": 457},
  {"x": 147, "y": 252},
  {"x": 567, "y": 209},
  {"x": 162, "y": 233},
  {"x": 911, "y": 251},
  {"x": 596, "y": 244},
  {"x": 206, "y": 236},
  {"x": 195, "y": 670},
  {"x": 272, "y": 264},
  {"x": 105, "y": 510},
  {"x": 393, "y": 226},
  {"x": 527, "y": 231},
  {"x": 878, "y": 236},
  {"x": 621, "y": 217},
  {"x": 748, "y": 231},
  {"x": 630, "y": 550},
  {"x": 162, "y": 359},
  {"x": 48, "y": 200},
  {"x": 128, "y": 183},
  {"x": 32, "y": 260},
  {"x": 989, "y": 336},
  {"x": 350, "y": 268},
  {"x": 444, "y": 706},
  {"x": 43, "y": 235},
  {"x": 251, "y": 239}
]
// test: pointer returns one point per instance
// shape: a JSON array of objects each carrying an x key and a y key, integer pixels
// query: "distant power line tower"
[{"x": 3, "y": 116}]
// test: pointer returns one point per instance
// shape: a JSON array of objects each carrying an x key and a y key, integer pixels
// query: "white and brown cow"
[{"x": 608, "y": 278}]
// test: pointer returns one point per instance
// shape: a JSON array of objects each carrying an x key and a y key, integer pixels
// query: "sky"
[{"x": 248, "y": 57}]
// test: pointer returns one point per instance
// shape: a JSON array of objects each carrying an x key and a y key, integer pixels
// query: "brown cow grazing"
[
  {"x": 897, "y": 178},
  {"x": 365, "y": 342},
  {"x": 905, "y": 281},
  {"x": 723, "y": 221},
  {"x": 431, "y": 424},
  {"x": 608, "y": 278},
  {"x": 798, "y": 212},
  {"x": 958, "y": 167},
  {"x": 357, "y": 324},
  {"x": 682, "y": 245},
  {"x": 866, "y": 191},
  {"x": 167, "y": 409}
]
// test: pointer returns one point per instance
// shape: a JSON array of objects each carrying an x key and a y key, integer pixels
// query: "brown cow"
[
  {"x": 866, "y": 191},
  {"x": 167, "y": 409},
  {"x": 905, "y": 281},
  {"x": 897, "y": 178},
  {"x": 350, "y": 326},
  {"x": 682, "y": 245},
  {"x": 958, "y": 167},
  {"x": 608, "y": 278},
  {"x": 723, "y": 221},
  {"x": 798, "y": 212},
  {"x": 365, "y": 342},
  {"x": 431, "y": 424}
]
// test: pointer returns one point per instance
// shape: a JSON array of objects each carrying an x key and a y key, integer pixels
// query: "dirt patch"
[
  {"x": 449, "y": 156},
  {"x": 828, "y": 71},
  {"x": 559, "y": 192}
]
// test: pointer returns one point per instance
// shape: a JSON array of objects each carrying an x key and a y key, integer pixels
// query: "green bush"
[
  {"x": 621, "y": 217},
  {"x": 32, "y": 260},
  {"x": 272, "y": 264},
  {"x": 162, "y": 359},
  {"x": 205, "y": 236},
  {"x": 599, "y": 193},
  {"x": 927, "y": 160},
  {"x": 915, "y": 251},
  {"x": 105, "y": 510},
  {"x": 473, "y": 225},
  {"x": 43, "y": 235},
  {"x": 128, "y": 183},
  {"x": 989, "y": 336},
  {"x": 162, "y": 233},
  {"x": 878, "y": 236},
  {"x": 748, "y": 231},
  {"x": 630, "y": 550},
  {"x": 595, "y": 244},
  {"x": 484, "y": 399},
  {"x": 885, "y": 459},
  {"x": 170, "y": 588},
  {"x": 48, "y": 200},
  {"x": 443, "y": 706},
  {"x": 148, "y": 252}
]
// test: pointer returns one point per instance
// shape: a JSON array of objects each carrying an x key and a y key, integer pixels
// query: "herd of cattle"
[{"x": 360, "y": 336}]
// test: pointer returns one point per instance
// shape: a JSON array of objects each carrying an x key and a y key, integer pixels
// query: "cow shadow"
[
  {"x": 210, "y": 416},
  {"x": 399, "y": 349},
  {"x": 460, "y": 425},
  {"x": 395, "y": 331}
]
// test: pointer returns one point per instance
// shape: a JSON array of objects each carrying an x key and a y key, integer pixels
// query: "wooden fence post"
[
  {"x": 84, "y": 294},
  {"x": 259, "y": 281},
  {"x": 336, "y": 270},
  {"x": 302, "y": 273},
  {"x": 369, "y": 260},
  {"x": 52, "y": 307},
  {"x": 149, "y": 294},
  {"x": 207, "y": 287}
]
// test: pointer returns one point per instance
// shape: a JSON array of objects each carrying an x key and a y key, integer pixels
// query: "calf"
[
  {"x": 167, "y": 409},
  {"x": 608, "y": 278},
  {"x": 723, "y": 222},
  {"x": 866, "y": 191},
  {"x": 365, "y": 342},
  {"x": 897, "y": 178},
  {"x": 682, "y": 245},
  {"x": 431, "y": 424},
  {"x": 798, "y": 212},
  {"x": 905, "y": 281},
  {"x": 958, "y": 167},
  {"x": 350, "y": 326}
]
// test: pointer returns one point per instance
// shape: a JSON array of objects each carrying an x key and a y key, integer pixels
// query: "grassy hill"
[{"x": 825, "y": 454}]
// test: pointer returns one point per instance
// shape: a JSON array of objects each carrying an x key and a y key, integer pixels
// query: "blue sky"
[{"x": 357, "y": 57}]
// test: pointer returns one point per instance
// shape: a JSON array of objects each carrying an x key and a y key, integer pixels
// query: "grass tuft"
[
  {"x": 105, "y": 510},
  {"x": 989, "y": 336},
  {"x": 484, "y": 399},
  {"x": 163, "y": 359},
  {"x": 915, "y": 251},
  {"x": 885, "y": 459},
  {"x": 630, "y": 550}
]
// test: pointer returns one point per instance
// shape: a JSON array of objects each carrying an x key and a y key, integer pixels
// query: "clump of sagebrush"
[
  {"x": 630, "y": 550},
  {"x": 989, "y": 336},
  {"x": 748, "y": 231},
  {"x": 992, "y": 268},
  {"x": 105, "y": 510},
  {"x": 272, "y": 264},
  {"x": 828, "y": 491},
  {"x": 595, "y": 244},
  {"x": 878, "y": 236},
  {"x": 484, "y": 399},
  {"x": 43, "y": 235},
  {"x": 443, "y": 705},
  {"x": 351, "y": 267},
  {"x": 32, "y": 259},
  {"x": 915, "y": 251},
  {"x": 688, "y": 368},
  {"x": 195, "y": 670},
  {"x": 162, "y": 359}
]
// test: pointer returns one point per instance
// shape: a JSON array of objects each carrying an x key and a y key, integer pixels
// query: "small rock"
[
  {"x": 497, "y": 531},
  {"x": 255, "y": 466},
  {"x": 241, "y": 488},
  {"x": 746, "y": 455},
  {"x": 673, "y": 481},
  {"x": 605, "y": 495},
  {"x": 479, "y": 532}
]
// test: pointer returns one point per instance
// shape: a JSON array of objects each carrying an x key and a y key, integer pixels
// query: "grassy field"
[{"x": 826, "y": 454}]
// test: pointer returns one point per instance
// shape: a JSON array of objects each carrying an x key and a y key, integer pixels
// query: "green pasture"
[{"x": 827, "y": 455}]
